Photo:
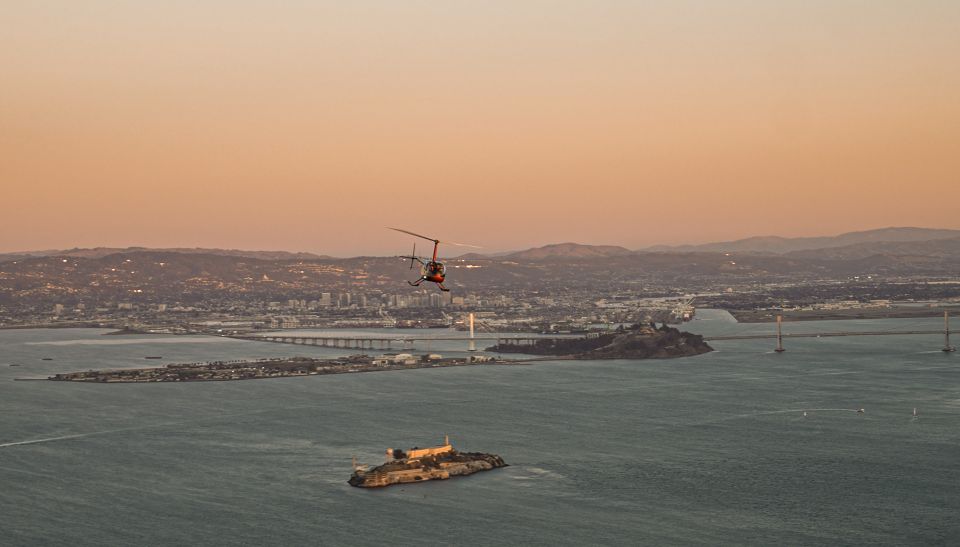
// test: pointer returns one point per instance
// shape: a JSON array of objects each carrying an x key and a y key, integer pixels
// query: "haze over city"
[{"x": 309, "y": 126}]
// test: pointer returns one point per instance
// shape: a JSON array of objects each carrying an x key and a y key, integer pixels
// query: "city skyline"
[{"x": 310, "y": 126}]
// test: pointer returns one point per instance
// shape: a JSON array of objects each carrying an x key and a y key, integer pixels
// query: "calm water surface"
[{"x": 706, "y": 450}]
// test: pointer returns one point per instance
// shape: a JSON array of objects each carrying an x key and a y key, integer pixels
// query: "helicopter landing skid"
[{"x": 422, "y": 279}]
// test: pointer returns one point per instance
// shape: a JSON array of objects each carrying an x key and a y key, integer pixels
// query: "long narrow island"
[
  {"x": 268, "y": 368},
  {"x": 635, "y": 342}
]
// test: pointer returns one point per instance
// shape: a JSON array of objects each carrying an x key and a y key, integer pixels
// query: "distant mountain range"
[
  {"x": 930, "y": 248},
  {"x": 783, "y": 245},
  {"x": 192, "y": 275},
  {"x": 900, "y": 242},
  {"x": 848, "y": 246}
]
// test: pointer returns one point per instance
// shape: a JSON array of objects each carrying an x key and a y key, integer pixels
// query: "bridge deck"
[
  {"x": 822, "y": 334},
  {"x": 292, "y": 338}
]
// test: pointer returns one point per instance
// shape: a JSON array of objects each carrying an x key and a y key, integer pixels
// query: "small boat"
[
  {"x": 153, "y": 357},
  {"x": 46, "y": 358},
  {"x": 915, "y": 415}
]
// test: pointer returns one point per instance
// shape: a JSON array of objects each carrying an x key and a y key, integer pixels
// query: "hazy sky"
[{"x": 309, "y": 125}]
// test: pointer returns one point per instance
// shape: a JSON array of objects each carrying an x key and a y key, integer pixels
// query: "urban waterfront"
[{"x": 702, "y": 450}]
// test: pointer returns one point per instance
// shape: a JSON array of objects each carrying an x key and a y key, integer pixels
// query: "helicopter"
[{"x": 432, "y": 270}]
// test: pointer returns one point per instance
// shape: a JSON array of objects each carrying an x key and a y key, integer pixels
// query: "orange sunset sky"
[{"x": 311, "y": 125}]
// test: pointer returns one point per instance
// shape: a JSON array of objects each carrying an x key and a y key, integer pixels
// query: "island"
[
  {"x": 269, "y": 368},
  {"x": 633, "y": 342},
  {"x": 423, "y": 464},
  {"x": 627, "y": 342}
]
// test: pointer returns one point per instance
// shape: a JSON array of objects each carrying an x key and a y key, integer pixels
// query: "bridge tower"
[
  {"x": 779, "y": 348},
  {"x": 473, "y": 343},
  {"x": 947, "y": 348}
]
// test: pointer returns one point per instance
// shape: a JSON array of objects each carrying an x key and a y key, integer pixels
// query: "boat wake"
[
  {"x": 181, "y": 423},
  {"x": 854, "y": 410},
  {"x": 53, "y": 439},
  {"x": 525, "y": 473},
  {"x": 802, "y": 411}
]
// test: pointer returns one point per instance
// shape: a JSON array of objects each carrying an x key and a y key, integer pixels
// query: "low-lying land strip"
[{"x": 265, "y": 368}]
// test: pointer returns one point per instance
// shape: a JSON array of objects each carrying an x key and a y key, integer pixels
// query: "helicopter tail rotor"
[{"x": 461, "y": 244}]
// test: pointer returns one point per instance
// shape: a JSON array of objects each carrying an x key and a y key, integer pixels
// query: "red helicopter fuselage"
[{"x": 434, "y": 271}]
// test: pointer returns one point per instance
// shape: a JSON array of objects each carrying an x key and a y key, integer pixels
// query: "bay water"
[{"x": 738, "y": 446}]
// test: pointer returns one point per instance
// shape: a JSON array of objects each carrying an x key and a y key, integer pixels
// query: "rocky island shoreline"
[{"x": 423, "y": 464}]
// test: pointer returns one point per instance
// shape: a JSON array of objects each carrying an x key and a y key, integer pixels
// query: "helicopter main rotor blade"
[
  {"x": 413, "y": 234},
  {"x": 436, "y": 241}
]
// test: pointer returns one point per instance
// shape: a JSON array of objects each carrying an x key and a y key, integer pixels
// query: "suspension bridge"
[{"x": 413, "y": 342}]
